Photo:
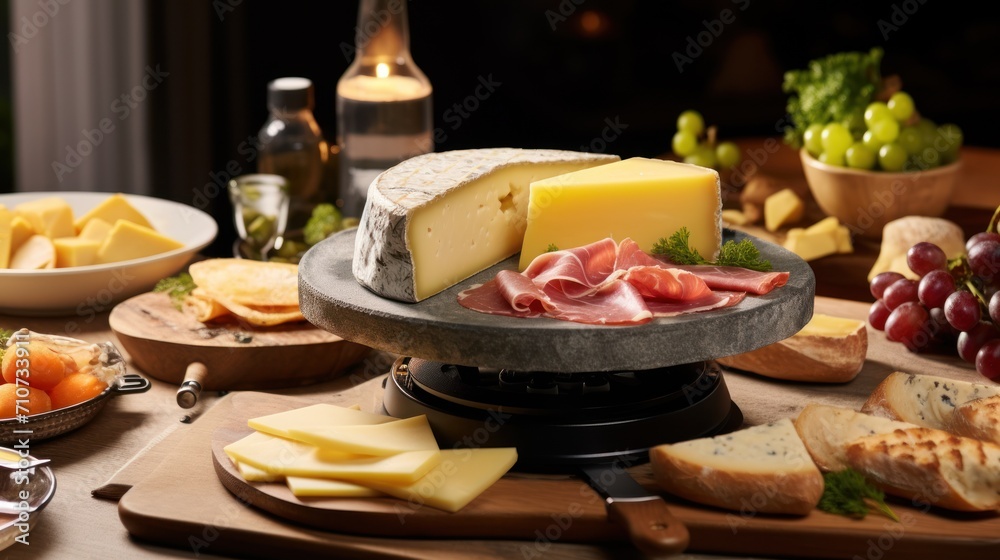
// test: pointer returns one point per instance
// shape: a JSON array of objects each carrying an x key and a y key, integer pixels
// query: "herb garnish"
[
  {"x": 4, "y": 337},
  {"x": 847, "y": 492},
  {"x": 177, "y": 287},
  {"x": 552, "y": 247},
  {"x": 743, "y": 254}
]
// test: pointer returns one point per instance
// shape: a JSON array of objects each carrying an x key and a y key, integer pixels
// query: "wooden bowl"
[{"x": 867, "y": 200}]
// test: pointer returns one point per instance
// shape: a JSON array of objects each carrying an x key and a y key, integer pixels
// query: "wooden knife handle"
[
  {"x": 194, "y": 380},
  {"x": 650, "y": 525}
]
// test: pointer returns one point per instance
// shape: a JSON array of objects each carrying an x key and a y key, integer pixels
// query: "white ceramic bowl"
[{"x": 85, "y": 291}]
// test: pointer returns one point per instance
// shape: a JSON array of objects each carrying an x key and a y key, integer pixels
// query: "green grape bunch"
[{"x": 696, "y": 144}]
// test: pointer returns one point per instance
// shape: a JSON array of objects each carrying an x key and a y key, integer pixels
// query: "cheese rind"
[
  {"x": 644, "y": 199},
  {"x": 436, "y": 219}
]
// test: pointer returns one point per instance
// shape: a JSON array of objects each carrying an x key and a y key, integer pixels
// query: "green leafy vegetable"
[
  {"x": 325, "y": 220},
  {"x": 743, "y": 254},
  {"x": 177, "y": 287},
  {"x": 847, "y": 492},
  {"x": 4, "y": 337},
  {"x": 551, "y": 247},
  {"x": 836, "y": 88}
]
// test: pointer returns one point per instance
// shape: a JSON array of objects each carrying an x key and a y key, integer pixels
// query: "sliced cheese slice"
[
  {"x": 253, "y": 474},
  {"x": 292, "y": 458},
  {"x": 645, "y": 199},
  {"x": 461, "y": 476},
  {"x": 436, "y": 219},
  {"x": 323, "y": 414},
  {"x": 389, "y": 438},
  {"x": 326, "y": 488}
]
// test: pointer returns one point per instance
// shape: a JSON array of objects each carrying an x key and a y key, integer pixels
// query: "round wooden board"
[
  {"x": 163, "y": 342},
  {"x": 440, "y": 329}
]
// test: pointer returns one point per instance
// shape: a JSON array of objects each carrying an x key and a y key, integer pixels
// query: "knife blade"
[{"x": 644, "y": 516}]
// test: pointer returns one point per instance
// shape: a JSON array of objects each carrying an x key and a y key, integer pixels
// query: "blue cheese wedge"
[
  {"x": 762, "y": 469},
  {"x": 924, "y": 400},
  {"x": 436, "y": 219}
]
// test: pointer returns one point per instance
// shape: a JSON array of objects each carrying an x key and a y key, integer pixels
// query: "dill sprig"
[
  {"x": 742, "y": 253},
  {"x": 177, "y": 287},
  {"x": 849, "y": 493}
]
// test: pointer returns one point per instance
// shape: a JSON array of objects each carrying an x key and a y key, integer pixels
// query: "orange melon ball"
[
  {"x": 76, "y": 388},
  {"x": 37, "y": 401},
  {"x": 45, "y": 367}
]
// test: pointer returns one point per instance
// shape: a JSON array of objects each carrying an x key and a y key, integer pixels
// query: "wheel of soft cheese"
[{"x": 437, "y": 219}]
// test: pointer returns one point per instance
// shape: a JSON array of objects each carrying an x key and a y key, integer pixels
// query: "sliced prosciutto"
[
  {"x": 601, "y": 283},
  {"x": 735, "y": 278}
]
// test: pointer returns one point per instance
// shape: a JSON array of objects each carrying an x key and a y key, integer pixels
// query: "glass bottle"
[
  {"x": 293, "y": 147},
  {"x": 383, "y": 102}
]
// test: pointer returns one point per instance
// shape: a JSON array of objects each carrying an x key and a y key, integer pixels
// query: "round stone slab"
[{"x": 440, "y": 329}]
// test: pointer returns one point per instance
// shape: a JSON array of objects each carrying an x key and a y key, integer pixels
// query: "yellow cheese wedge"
[
  {"x": 115, "y": 207},
  {"x": 128, "y": 240},
  {"x": 389, "y": 438},
  {"x": 20, "y": 231},
  {"x": 6, "y": 234},
  {"x": 461, "y": 476},
  {"x": 325, "y": 488},
  {"x": 645, "y": 199},
  {"x": 322, "y": 414},
  {"x": 735, "y": 217},
  {"x": 51, "y": 216},
  {"x": 782, "y": 208},
  {"x": 810, "y": 246},
  {"x": 843, "y": 238},
  {"x": 34, "y": 254},
  {"x": 830, "y": 326},
  {"x": 826, "y": 225},
  {"x": 95, "y": 230},
  {"x": 74, "y": 251}
]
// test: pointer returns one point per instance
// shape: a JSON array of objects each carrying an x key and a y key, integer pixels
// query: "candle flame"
[{"x": 382, "y": 70}]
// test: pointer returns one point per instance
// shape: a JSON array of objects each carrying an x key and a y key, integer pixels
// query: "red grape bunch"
[{"x": 954, "y": 302}]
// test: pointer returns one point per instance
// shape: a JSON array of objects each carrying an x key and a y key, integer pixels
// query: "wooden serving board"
[
  {"x": 163, "y": 342},
  {"x": 553, "y": 516}
]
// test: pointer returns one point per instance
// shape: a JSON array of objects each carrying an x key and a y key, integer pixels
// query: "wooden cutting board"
[
  {"x": 185, "y": 496},
  {"x": 164, "y": 342}
]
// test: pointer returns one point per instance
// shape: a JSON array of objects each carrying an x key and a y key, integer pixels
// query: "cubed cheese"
[
  {"x": 128, "y": 240},
  {"x": 115, "y": 207},
  {"x": 34, "y": 254},
  {"x": 436, "y": 219},
  {"x": 826, "y": 225},
  {"x": 782, "y": 208},
  {"x": 95, "y": 230},
  {"x": 735, "y": 217},
  {"x": 6, "y": 234},
  {"x": 21, "y": 230},
  {"x": 644, "y": 199},
  {"x": 810, "y": 246},
  {"x": 74, "y": 251},
  {"x": 51, "y": 216},
  {"x": 843, "y": 238}
]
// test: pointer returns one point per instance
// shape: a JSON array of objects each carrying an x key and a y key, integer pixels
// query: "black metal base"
[{"x": 557, "y": 420}]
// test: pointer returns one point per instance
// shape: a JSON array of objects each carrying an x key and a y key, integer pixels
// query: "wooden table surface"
[{"x": 124, "y": 436}]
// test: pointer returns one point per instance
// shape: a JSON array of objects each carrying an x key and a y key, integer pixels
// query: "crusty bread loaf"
[
  {"x": 763, "y": 469},
  {"x": 978, "y": 419},
  {"x": 827, "y": 350},
  {"x": 931, "y": 466},
  {"x": 924, "y": 400},
  {"x": 827, "y": 430}
]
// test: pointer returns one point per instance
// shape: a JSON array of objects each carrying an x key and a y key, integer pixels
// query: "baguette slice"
[
  {"x": 924, "y": 400},
  {"x": 827, "y": 430},
  {"x": 827, "y": 350},
  {"x": 978, "y": 419},
  {"x": 931, "y": 466},
  {"x": 764, "y": 468}
]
